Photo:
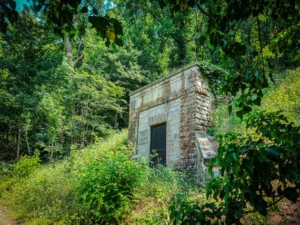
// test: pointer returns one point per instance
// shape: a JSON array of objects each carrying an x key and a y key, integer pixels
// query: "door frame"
[{"x": 151, "y": 141}]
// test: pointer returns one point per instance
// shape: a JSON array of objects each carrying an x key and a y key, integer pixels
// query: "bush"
[
  {"x": 106, "y": 188},
  {"x": 15, "y": 173},
  {"x": 156, "y": 193},
  {"x": 44, "y": 195},
  {"x": 25, "y": 166},
  {"x": 102, "y": 184}
]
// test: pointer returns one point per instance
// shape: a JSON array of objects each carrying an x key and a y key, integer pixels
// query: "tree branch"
[
  {"x": 69, "y": 49},
  {"x": 260, "y": 45},
  {"x": 78, "y": 60}
]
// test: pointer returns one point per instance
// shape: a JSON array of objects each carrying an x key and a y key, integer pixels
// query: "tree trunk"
[
  {"x": 70, "y": 51},
  {"x": 19, "y": 130}
]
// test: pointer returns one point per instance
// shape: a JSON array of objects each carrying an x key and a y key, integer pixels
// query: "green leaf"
[
  {"x": 220, "y": 91},
  {"x": 58, "y": 31},
  {"x": 238, "y": 214},
  {"x": 100, "y": 24},
  {"x": 3, "y": 27},
  {"x": 260, "y": 205},
  {"x": 222, "y": 193},
  {"x": 247, "y": 109},
  {"x": 225, "y": 62},
  {"x": 12, "y": 4},
  {"x": 118, "y": 28},
  {"x": 162, "y": 4},
  {"x": 210, "y": 171},
  {"x": 95, "y": 11},
  {"x": 262, "y": 157},
  {"x": 239, "y": 49},
  {"x": 37, "y": 8},
  {"x": 273, "y": 152},
  {"x": 107, "y": 43},
  {"x": 84, "y": 9},
  {"x": 235, "y": 158},
  {"x": 119, "y": 42},
  {"x": 230, "y": 109},
  {"x": 114, "y": 47},
  {"x": 240, "y": 114},
  {"x": 254, "y": 53},
  {"x": 202, "y": 40},
  {"x": 214, "y": 39},
  {"x": 191, "y": 3},
  {"x": 257, "y": 101},
  {"x": 291, "y": 194}
]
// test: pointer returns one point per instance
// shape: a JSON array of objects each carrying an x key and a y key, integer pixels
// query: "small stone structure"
[{"x": 182, "y": 101}]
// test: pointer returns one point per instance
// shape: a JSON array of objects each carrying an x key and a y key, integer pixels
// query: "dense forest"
[
  {"x": 67, "y": 68},
  {"x": 59, "y": 93}
]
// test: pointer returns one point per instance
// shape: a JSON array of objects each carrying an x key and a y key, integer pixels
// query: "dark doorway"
[{"x": 158, "y": 144}]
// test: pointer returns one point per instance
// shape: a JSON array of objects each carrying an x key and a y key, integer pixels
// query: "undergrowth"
[{"x": 102, "y": 184}]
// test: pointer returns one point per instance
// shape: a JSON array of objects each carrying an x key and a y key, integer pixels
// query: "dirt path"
[
  {"x": 289, "y": 213},
  {"x": 6, "y": 216}
]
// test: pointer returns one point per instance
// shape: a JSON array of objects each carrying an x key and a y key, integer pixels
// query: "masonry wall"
[{"x": 182, "y": 100}]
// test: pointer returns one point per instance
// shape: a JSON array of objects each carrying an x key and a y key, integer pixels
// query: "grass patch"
[{"x": 102, "y": 184}]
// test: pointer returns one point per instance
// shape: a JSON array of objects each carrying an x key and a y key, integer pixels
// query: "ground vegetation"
[{"x": 67, "y": 68}]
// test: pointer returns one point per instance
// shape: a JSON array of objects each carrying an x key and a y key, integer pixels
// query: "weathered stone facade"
[{"x": 183, "y": 101}]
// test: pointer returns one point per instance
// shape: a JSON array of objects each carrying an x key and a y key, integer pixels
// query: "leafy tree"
[
  {"x": 258, "y": 171},
  {"x": 285, "y": 96},
  {"x": 253, "y": 40},
  {"x": 76, "y": 113},
  {"x": 25, "y": 62},
  {"x": 117, "y": 66},
  {"x": 7, "y": 13},
  {"x": 167, "y": 41}
]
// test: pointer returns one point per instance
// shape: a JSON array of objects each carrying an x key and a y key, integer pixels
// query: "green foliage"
[
  {"x": 254, "y": 167},
  {"x": 259, "y": 219},
  {"x": 102, "y": 184},
  {"x": 27, "y": 66},
  {"x": 285, "y": 96},
  {"x": 43, "y": 196},
  {"x": 66, "y": 12},
  {"x": 223, "y": 34},
  {"x": 8, "y": 12},
  {"x": 48, "y": 105},
  {"x": 106, "y": 187},
  {"x": 224, "y": 122},
  {"x": 48, "y": 194},
  {"x": 167, "y": 41},
  {"x": 18, "y": 172},
  {"x": 25, "y": 166},
  {"x": 157, "y": 191}
]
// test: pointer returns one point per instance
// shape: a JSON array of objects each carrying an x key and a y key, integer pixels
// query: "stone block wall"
[{"x": 183, "y": 101}]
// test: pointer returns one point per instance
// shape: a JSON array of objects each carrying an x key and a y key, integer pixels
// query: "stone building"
[{"x": 169, "y": 118}]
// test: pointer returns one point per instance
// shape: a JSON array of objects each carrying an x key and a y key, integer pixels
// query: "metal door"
[{"x": 158, "y": 144}]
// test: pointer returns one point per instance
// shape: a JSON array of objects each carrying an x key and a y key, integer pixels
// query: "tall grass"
[{"x": 102, "y": 184}]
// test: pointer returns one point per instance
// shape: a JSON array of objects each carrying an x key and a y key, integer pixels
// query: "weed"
[{"x": 102, "y": 184}]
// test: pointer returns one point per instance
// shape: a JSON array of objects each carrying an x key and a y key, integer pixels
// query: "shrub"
[
  {"x": 106, "y": 188},
  {"x": 44, "y": 195},
  {"x": 15, "y": 173},
  {"x": 156, "y": 193},
  {"x": 25, "y": 166},
  {"x": 102, "y": 184}
]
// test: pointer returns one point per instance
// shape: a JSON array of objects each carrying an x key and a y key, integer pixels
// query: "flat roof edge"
[{"x": 165, "y": 77}]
